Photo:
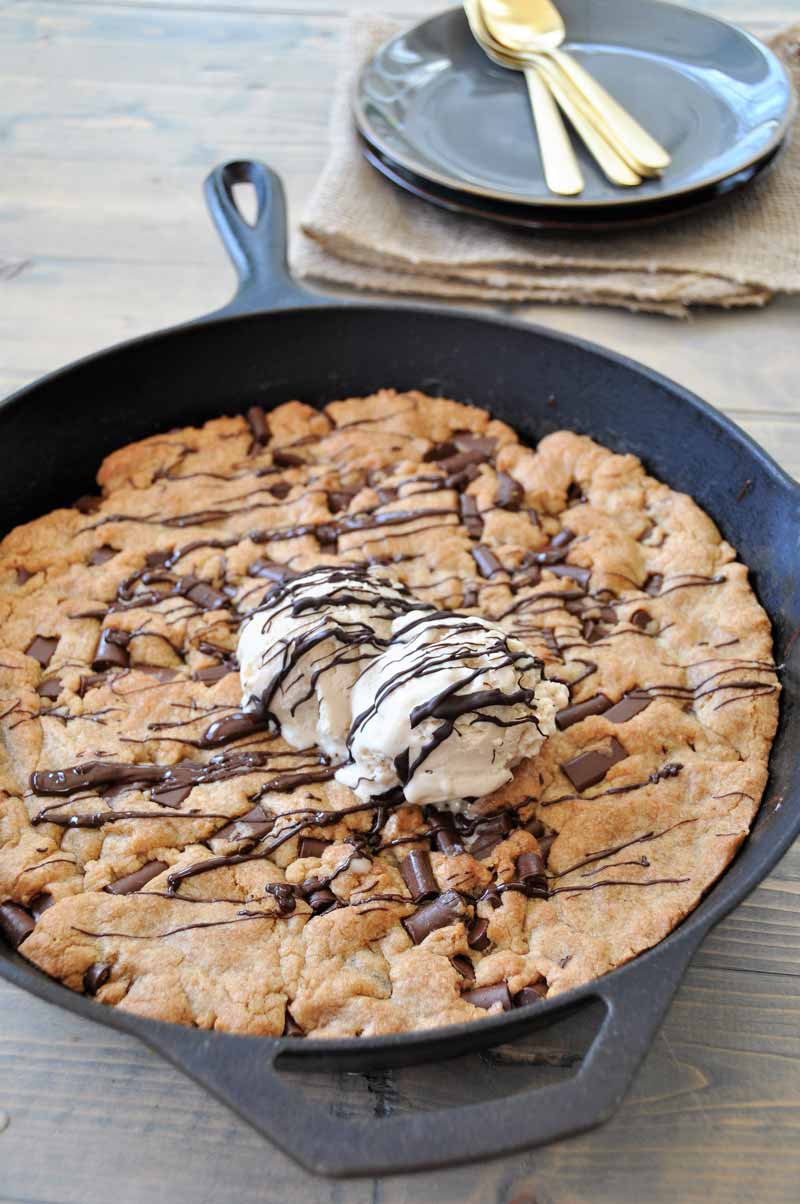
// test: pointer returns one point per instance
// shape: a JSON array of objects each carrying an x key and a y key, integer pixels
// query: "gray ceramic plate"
[{"x": 716, "y": 97}]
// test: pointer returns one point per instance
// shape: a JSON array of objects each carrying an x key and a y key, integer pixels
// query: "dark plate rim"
[{"x": 528, "y": 217}]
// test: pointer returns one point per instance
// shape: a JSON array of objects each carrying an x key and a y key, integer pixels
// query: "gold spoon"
[
  {"x": 561, "y": 171},
  {"x": 530, "y": 29},
  {"x": 614, "y": 166}
]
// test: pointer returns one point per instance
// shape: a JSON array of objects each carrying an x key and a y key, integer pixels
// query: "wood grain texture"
[{"x": 113, "y": 114}]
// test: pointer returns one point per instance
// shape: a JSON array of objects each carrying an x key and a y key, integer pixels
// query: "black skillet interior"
[{"x": 276, "y": 341}]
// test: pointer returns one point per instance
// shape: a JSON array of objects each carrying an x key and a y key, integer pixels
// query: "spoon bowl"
[{"x": 530, "y": 29}]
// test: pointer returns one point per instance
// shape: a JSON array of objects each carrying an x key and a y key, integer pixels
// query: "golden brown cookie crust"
[{"x": 622, "y": 586}]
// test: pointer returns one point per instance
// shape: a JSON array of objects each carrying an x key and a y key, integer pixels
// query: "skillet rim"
[{"x": 318, "y": 303}]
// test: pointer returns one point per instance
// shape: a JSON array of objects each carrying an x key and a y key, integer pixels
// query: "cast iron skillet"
[{"x": 276, "y": 341}]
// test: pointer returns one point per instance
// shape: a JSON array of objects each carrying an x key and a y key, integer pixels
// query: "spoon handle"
[
  {"x": 649, "y": 153},
  {"x": 614, "y": 166},
  {"x": 561, "y": 170}
]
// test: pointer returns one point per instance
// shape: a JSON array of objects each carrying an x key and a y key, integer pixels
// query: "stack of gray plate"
[{"x": 440, "y": 120}]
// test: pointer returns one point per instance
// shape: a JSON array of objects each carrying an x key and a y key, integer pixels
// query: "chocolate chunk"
[
  {"x": 326, "y": 535},
  {"x": 157, "y": 560},
  {"x": 135, "y": 881},
  {"x": 531, "y": 994},
  {"x": 322, "y": 900},
  {"x": 290, "y": 1026},
  {"x": 443, "y": 833},
  {"x": 459, "y": 466},
  {"x": 238, "y": 723},
  {"x": 546, "y": 842},
  {"x": 96, "y": 977},
  {"x": 580, "y": 575},
  {"x": 463, "y": 477},
  {"x": 577, "y": 711},
  {"x": 42, "y": 648},
  {"x": 50, "y": 689},
  {"x": 490, "y": 834},
  {"x": 40, "y": 903},
  {"x": 101, "y": 555},
  {"x": 284, "y": 895},
  {"x": 492, "y": 896},
  {"x": 593, "y": 632},
  {"x": 212, "y": 673},
  {"x": 653, "y": 584},
  {"x": 464, "y": 966},
  {"x": 206, "y": 597},
  {"x": 589, "y": 768},
  {"x": 279, "y": 490},
  {"x": 257, "y": 421},
  {"x": 470, "y": 515},
  {"x": 312, "y": 846},
  {"x": 88, "y": 504},
  {"x": 251, "y": 826},
  {"x": 447, "y": 909},
  {"x": 627, "y": 707},
  {"x": 530, "y": 871},
  {"x": 640, "y": 618},
  {"x": 487, "y": 562},
  {"x": 287, "y": 459},
  {"x": 487, "y": 997},
  {"x": 547, "y": 556},
  {"x": 439, "y": 451},
  {"x": 176, "y": 784},
  {"x": 112, "y": 650},
  {"x": 269, "y": 569},
  {"x": 464, "y": 448},
  {"x": 338, "y": 500},
  {"x": 563, "y": 537},
  {"x": 23, "y": 575},
  {"x": 510, "y": 494},
  {"x": 418, "y": 875},
  {"x": 16, "y": 924},
  {"x": 477, "y": 935},
  {"x": 530, "y": 568}
]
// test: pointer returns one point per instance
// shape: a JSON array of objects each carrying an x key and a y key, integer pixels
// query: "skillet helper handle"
[
  {"x": 246, "y": 1078},
  {"x": 258, "y": 251}
]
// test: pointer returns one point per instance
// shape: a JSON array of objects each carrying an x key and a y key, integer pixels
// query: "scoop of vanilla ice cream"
[
  {"x": 301, "y": 652},
  {"x": 446, "y": 711}
]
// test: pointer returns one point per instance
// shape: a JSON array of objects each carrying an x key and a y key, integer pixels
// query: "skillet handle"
[
  {"x": 258, "y": 251},
  {"x": 243, "y": 1073}
]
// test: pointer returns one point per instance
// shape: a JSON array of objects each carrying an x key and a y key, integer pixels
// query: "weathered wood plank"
[
  {"x": 722, "y": 1076},
  {"x": 230, "y": 53},
  {"x": 765, "y": 15}
]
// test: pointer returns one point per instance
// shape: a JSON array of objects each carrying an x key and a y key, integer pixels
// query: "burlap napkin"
[{"x": 362, "y": 231}]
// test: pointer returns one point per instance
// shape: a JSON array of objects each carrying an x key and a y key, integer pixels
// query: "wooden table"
[{"x": 113, "y": 112}]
